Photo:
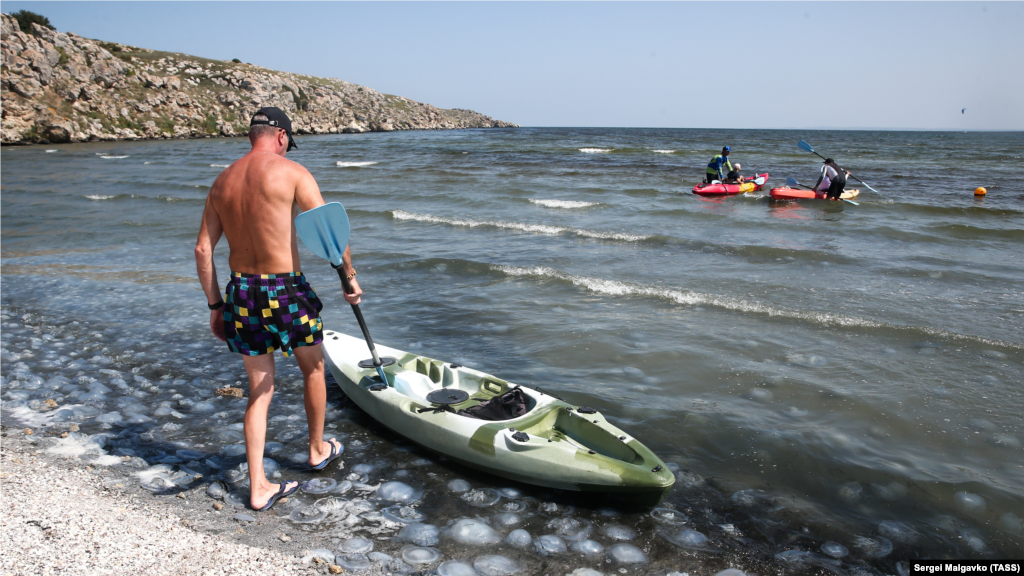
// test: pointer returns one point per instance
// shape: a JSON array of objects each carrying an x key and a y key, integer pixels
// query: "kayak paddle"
[
  {"x": 790, "y": 181},
  {"x": 804, "y": 145},
  {"x": 325, "y": 231}
]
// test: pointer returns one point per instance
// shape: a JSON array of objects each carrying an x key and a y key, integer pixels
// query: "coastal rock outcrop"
[{"x": 59, "y": 87}]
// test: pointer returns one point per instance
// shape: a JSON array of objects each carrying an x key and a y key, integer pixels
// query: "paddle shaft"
[{"x": 347, "y": 287}]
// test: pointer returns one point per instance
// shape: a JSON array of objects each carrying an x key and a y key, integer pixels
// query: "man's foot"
[
  {"x": 265, "y": 500},
  {"x": 329, "y": 451}
]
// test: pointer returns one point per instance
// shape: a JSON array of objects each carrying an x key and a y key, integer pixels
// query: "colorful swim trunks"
[{"x": 264, "y": 312}]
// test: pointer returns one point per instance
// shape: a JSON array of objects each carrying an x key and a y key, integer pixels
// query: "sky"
[{"x": 851, "y": 65}]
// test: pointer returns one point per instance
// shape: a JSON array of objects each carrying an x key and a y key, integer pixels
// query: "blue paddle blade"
[
  {"x": 324, "y": 230},
  {"x": 790, "y": 181},
  {"x": 851, "y": 202},
  {"x": 805, "y": 146}
]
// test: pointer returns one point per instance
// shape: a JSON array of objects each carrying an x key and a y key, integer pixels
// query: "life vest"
[{"x": 715, "y": 166}]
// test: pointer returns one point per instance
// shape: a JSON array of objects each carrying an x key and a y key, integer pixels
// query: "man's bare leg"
[
  {"x": 311, "y": 362},
  {"x": 261, "y": 390}
]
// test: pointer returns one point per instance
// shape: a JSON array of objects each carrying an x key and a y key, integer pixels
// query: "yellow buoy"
[{"x": 980, "y": 191}]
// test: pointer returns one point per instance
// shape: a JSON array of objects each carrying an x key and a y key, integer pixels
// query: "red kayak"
[
  {"x": 731, "y": 189},
  {"x": 787, "y": 193}
]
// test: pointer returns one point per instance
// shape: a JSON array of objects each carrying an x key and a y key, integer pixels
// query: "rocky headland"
[{"x": 59, "y": 87}]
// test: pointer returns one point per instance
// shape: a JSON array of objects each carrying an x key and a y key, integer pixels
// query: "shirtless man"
[{"x": 268, "y": 303}]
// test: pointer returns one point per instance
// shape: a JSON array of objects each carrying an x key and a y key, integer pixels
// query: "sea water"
[{"x": 829, "y": 382}]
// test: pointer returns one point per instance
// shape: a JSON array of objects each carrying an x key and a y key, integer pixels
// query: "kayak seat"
[{"x": 565, "y": 426}]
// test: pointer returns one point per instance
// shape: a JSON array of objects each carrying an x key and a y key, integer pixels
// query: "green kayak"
[{"x": 487, "y": 423}]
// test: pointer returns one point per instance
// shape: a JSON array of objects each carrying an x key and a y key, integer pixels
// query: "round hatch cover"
[{"x": 446, "y": 396}]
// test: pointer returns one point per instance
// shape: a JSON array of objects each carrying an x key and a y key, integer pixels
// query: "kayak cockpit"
[{"x": 421, "y": 376}]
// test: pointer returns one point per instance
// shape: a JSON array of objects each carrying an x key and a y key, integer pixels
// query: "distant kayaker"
[
  {"x": 268, "y": 304},
  {"x": 832, "y": 179},
  {"x": 714, "y": 170},
  {"x": 734, "y": 177}
]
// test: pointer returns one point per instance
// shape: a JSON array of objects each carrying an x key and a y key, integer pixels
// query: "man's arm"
[
  {"x": 210, "y": 232},
  {"x": 308, "y": 196}
]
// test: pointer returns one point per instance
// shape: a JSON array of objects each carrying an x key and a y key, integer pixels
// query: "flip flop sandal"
[
  {"x": 281, "y": 493},
  {"x": 335, "y": 454}
]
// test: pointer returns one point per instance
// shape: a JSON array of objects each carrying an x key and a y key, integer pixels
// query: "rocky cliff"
[{"x": 65, "y": 88}]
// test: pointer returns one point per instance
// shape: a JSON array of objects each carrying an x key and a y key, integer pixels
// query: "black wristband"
[{"x": 215, "y": 306}]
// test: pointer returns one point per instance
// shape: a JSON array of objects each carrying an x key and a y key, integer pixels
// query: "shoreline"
[{"x": 64, "y": 515}]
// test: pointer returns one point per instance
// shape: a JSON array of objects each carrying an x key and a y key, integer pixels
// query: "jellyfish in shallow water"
[
  {"x": 216, "y": 490},
  {"x": 850, "y": 492},
  {"x": 549, "y": 545},
  {"x": 668, "y": 517},
  {"x": 875, "y": 547},
  {"x": 587, "y": 548},
  {"x": 319, "y": 485},
  {"x": 683, "y": 538},
  {"x": 307, "y": 515},
  {"x": 626, "y": 554},
  {"x": 834, "y": 549},
  {"x": 494, "y": 565},
  {"x": 455, "y": 568},
  {"x": 420, "y": 534},
  {"x": 519, "y": 538},
  {"x": 1011, "y": 523},
  {"x": 506, "y": 519},
  {"x": 618, "y": 532},
  {"x": 970, "y": 503},
  {"x": 897, "y": 532},
  {"x": 352, "y": 562},
  {"x": 481, "y": 497},
  {"x": 356, "y": 546},
  {"x": 398, "y": 492},
  {"x": 403, "y": 514},
  {"x": 459, "y": 486},
  {"x": 417, "y": 555},
  {"x": 571, "y": 529},
  {"x": 473, "y": 531}
]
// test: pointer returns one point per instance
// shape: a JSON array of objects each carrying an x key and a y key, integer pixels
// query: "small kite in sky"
[{"x": 964, "y": 111}]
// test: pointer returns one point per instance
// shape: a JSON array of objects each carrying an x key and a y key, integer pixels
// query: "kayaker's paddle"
[
  {"x": 804, "y": 145},
  {"x": 325, "y": 231},
  {"x": 790, "y": 181}
]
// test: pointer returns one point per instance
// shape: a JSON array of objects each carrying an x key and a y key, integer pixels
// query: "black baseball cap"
[{"x": 275, "y": 117}]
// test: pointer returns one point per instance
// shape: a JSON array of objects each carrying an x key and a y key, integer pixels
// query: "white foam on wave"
[
  {"x": 535, "y": 228},
  {"x": 664, "y": 151},
  {"x": 214, "y": 165},
  {"x": 563, "y": 203},
  {"x": 50, "y": 151},
  {"x": 595, "y": 150},
  {"x": 616, "y": 288},
  {"x": 99, "y": 197},
  {"x": 354, "y": 164},
  {"x": 113, "y": 157}
]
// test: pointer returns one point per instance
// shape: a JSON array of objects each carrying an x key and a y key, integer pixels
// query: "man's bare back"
[{"x": 256, "y": 200}]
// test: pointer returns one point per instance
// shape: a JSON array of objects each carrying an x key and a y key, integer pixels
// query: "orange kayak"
[{"x": 787, "y": 193}]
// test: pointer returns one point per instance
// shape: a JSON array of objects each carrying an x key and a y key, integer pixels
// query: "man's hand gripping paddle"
[
  {"x": 805, "y": 146},
  {"x": 325, "y": 230},
  {"x": 792, "y": 182}
]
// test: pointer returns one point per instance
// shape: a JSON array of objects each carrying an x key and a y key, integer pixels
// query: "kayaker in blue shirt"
[{"x": 714, "y": 170}]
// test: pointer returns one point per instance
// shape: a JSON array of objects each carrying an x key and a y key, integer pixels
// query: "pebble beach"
[{"x": 62, "y": 516}]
